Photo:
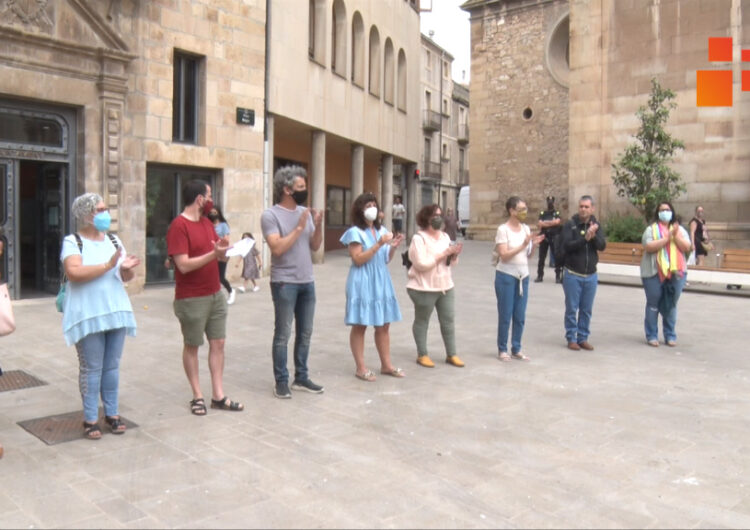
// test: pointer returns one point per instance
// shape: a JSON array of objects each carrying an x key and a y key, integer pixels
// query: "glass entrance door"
[
  {"x": 40, "y": 226},
  {"x": 164, "y": 203},
  {"x": 7, "y": 230}
]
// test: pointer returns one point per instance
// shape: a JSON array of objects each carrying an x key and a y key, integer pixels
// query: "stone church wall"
[{"x": 519, "y": 110}]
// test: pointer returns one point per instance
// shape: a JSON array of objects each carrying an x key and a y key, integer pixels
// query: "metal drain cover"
[
  {"x": 18, "y": 379},
  {"x": 64, "y": 427}
]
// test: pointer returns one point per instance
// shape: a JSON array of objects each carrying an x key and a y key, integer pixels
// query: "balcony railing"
[
  {"x": 430, "y": 170},
  {"x": 463, "y": 177},
  {"x": 431, "y": 120},
  {"x": 463, "y": 134}
]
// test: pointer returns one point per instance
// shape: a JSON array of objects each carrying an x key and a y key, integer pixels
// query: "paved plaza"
[{"x": 624, "y": 436}]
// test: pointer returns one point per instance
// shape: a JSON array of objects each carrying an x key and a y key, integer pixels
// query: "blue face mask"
[
  {"x": 102, "y": 220},
  {"x": 665, "y": 216}
]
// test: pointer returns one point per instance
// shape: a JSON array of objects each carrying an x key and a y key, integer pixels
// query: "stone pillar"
[
  {"x": 412, "y": 189},
  {"x": 267, "y": 185},
  {"x": 317, "y": 183},
  {"x": 358, "y": 171},
  {"x": 386, "y": 201}
]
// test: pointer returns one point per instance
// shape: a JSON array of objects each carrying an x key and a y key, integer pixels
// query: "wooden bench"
[
  {"x": 731, "y": 260},
  {"x": 622, "y": 253}
]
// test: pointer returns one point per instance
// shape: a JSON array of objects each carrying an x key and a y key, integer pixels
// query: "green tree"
[{"x": 641, "y": 173}]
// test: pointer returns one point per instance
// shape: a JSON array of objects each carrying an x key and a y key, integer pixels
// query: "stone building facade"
[
  {"x": 616, "y": 48},
  {"x": 128, "y": 99},
  {"x": 519, "y": 111},
  {"x": 445, "y": 117},
  {"x": 343, "y": 102}
]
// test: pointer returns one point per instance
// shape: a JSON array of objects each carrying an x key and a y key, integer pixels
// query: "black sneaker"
[
  {"x": 281, "y": 391},
  {"x": 307, "y": 386},
  {"x": 538, "y": 279}
]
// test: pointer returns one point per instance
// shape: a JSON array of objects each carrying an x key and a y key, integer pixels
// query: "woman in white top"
[{"x": 513, "y": 244}]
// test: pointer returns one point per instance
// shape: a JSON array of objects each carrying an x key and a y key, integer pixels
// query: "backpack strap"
[
  {"x": 113, "y": 239},
  {"x": 79, "y": 241}
]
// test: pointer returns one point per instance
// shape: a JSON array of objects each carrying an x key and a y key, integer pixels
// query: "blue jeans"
[
  {"x": 654, "y": 288},
  {"x": 292, "y": 301},
  {"x": 579, "y": 303},
  {"x": 510, "y": 305},
  {"x": 99, "y": 371}
]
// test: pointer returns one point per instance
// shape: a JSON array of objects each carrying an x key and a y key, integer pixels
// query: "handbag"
[{"x": 7, "y": 319}]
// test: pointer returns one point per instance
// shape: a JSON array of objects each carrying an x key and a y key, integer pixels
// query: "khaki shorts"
[{"x": 202, "y": 314}]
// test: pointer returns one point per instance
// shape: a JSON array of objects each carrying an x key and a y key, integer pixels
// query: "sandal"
[
  {"x": 226, "y": 404},
  {"x": 367, "y": 376},
  {"x": 116, "y": 425},
  {"x": 198, "y": 407},
  {"x": 503, "y": 356},
  {"x": 92, "y": 431},
  {"x": 520, "y": 357},
  {"x": 395, "y": 372}
]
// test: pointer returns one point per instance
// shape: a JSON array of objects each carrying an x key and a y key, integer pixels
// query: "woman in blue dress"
[{"x": 370, "y": 297}]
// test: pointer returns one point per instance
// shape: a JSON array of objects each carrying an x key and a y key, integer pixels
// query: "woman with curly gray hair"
[{"x": 96, "y": 311}]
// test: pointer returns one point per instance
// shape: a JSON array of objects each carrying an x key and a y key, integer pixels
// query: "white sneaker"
[
  {"x": 230, "y": 299},
  {"x": 256, "y": 289},
  {"x": 240, "y": 288}
]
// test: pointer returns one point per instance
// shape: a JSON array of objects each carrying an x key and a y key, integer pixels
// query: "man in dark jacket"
[{"x": 582, "y": 240}]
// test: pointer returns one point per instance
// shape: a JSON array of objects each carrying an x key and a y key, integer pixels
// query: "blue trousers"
[
  {"x": 292, "y": 301},
  {"x": 511, "y": 306},
  {"x": 654, "y": 288},
  {"x": 579, "y": 304},
  {"x": 99, "y": 372}
]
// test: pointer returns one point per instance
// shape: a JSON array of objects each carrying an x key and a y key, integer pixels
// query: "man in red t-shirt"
[{"x": 199, "y": 305}]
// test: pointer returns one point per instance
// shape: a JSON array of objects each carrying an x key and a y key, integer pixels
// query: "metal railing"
[
  {"x": 431, "y": 120},
  {"x": 430, "y": 170},
  {"x": 463, "y": 134}
]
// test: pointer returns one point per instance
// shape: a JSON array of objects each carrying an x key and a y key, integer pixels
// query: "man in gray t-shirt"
[{"x": 292, "y": 231}]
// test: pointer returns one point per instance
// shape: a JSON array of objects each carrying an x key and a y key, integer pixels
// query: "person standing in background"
[
  {"x": 451, "y": 225},
  {"x": 399, "y": 214},
  {"x": 699, "y": 239},
  {"x": 222, "y": 230},
  {"x": 549, "y": 225}
]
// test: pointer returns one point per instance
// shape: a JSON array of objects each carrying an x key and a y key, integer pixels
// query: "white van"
[{"x": 463, "y": 208}]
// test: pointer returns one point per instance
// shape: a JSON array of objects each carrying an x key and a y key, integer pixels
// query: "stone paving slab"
[{"x": 625, "y": 436}]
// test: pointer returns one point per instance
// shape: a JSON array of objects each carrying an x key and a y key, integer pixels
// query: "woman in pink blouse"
[{"x": 430, "y": 284}]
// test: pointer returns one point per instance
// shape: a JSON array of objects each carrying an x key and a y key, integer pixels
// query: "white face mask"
[{"x": 371, "y": 213}]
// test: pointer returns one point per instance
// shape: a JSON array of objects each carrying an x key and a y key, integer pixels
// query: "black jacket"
[{"x": 581, "y": 255}]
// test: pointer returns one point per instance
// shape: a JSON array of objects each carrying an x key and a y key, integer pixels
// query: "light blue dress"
[
  {"x": 100, "y": 304},
  {"x": 370, "y": 297}
]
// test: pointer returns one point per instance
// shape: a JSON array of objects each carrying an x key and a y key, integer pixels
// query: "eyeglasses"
[{"x": 101, "y": 210}]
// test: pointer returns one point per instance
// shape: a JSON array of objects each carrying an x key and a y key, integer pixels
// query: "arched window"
[
  {"x": 338, "y": 38},
  {"x": 358, "y": 50},
  {"x": 389, "y": 71},
  {"x": 374, "y": 83},
  {"x": 401, "y": 80},
  {"x": 316, "y": 43}
]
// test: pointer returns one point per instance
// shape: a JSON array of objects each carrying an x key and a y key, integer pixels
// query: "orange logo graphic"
[{"x": 714, "y": 87}]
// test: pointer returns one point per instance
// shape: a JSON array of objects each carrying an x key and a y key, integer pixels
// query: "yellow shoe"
[
  {"x": 425, "y": 361},
  {"x": 454, "y": 360}
]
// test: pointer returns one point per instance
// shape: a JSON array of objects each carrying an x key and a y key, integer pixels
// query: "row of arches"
[{"x": 386, "y": 69}]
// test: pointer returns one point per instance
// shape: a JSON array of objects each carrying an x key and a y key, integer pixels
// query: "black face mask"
[
  {"x": 212, "y": 217},
  {"x": 299, "y": 196}
]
